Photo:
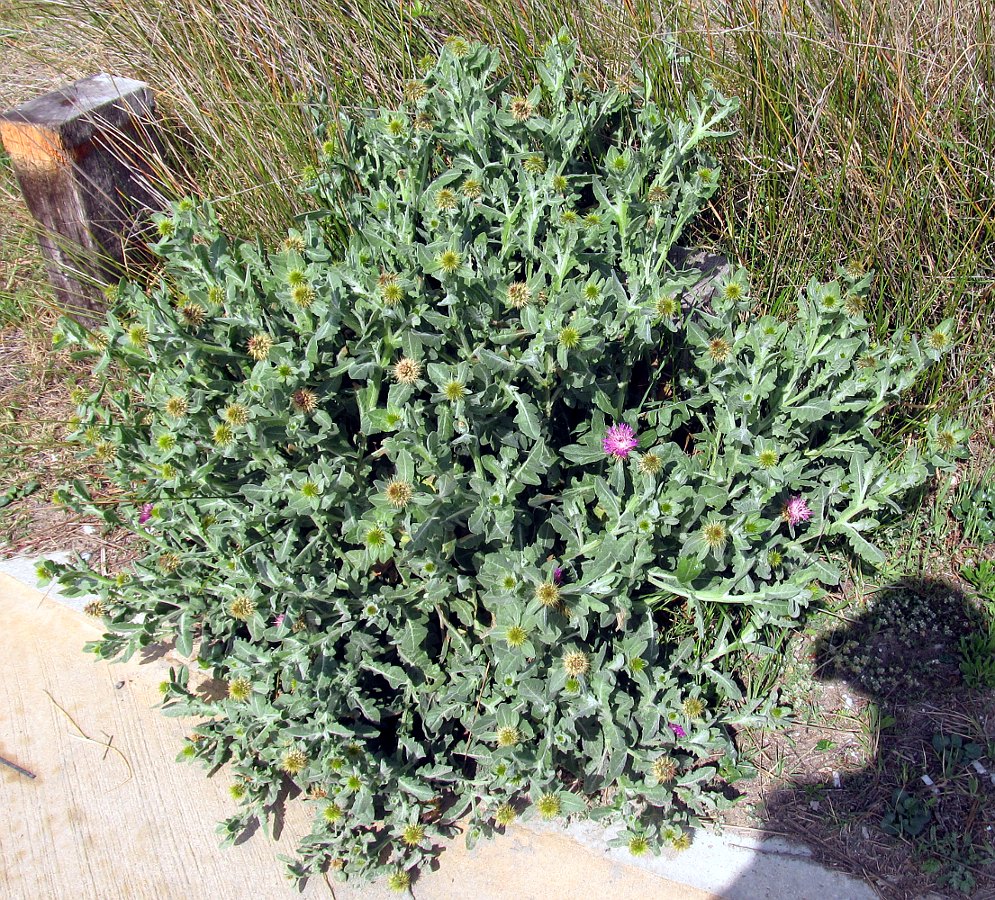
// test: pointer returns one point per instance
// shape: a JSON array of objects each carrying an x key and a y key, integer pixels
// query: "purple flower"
[
  {"x": 796, "y": 510},
  {"x": 557, "y": 575},
  {"x": 145, "y": 514},
  {"x": 678, "y": 731},
  {"x": 278, "y": 621},
  {"x": 619, "y": 441}
]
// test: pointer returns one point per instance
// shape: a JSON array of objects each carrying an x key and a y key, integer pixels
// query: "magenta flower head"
[
  {"x": 145, "y": 514},
  {"x": 678, "y": 731},
  {"x": 558, "y": 575},
  {"x": 278, "y": 621},
  {"x": 619, "y": 441},
  {"x": 796, "y": 510}
]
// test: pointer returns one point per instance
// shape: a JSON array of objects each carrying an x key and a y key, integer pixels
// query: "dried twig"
[{"x": 83, "y": 736}]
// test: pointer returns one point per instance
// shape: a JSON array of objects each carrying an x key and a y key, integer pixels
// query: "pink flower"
[
  {"x": 619, "y": 441},
  {"x": 796, "y": 510},
  {"x": 145, "y": 514},
  {"x": 678, "y": 731},
  {"x": 278, "y": 621},
  {"x": 557, "y": 575}
]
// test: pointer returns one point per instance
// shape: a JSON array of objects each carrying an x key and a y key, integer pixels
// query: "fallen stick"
[{"x": 17, "y": 768}]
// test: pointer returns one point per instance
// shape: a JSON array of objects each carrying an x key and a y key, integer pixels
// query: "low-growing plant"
[
  {"x": 975, "y": 510},
  {"x": 481, "y": 517}
]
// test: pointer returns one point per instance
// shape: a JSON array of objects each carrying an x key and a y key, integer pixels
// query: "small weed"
[
  {"x": 908, "y": 816},
  {"x": 976, "y": 513}
]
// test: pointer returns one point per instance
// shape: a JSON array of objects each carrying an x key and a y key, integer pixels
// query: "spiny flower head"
[
  {"x": 569, "y": 217},
  {"x": 454, "y": 390},
  {"x": 519, "y": 294},
  {"x": 395, "y": 126},
  {"x": 294, "y": 761},
  {"x": 458, "y": 47},
  {"x": 302, "y": 295},
  {"x": 391, "y": 292},
  {"x": 548, "y": 594},
  {"x": 138, "y": 335},
  {"x": 310, "y": 490},
  {"x": 575, "y": 663},
  {"x": 664, "y": 769},
  {"x": 505, "y": 814},
  {"x": 946, "y": 440},
  {"x": 508, "y": 736},
  {"x": 719, "y": 349},
  {"x": 169, "y": 562},
  {"x": 560, "y": 184},
  {"x": 732, "y": 290},
  {"x": 768, "y": 458},
  {"x": 407, "y": 370},
  {"x": 193, "y": 314},
  {"x": 650, "y": 464},
  {"x": 414, "y": 90},
  {"x": 223, "y": 435},
  {"x": 619, "y": 441},
  {"x": 413, "y": 834},
  {"x": 446, "y": 199},
  {"x": 399, "y": 881},
  {"x": 938, "y": 340},
  {"x": 681, "y": 842},
  {"x": 238, "y": 790},
  {"x": 658, "y": 194},
  {"x": 520, "y": 109},
  {"x": 375, "y": 537},
  {"x": 715, "y": 534},
  {"x": 296, "y": 277},
  {"x": 775, "y": 559},
  {"x": 304, "y": 401},
  {"x": 694, "y": 707},
  {"x": 639, "y": 846},
  {"x": 332, "y": 813},
  {"x": 667, "y": 306},
  {"x": 797, "y": 510},
  {"x": 548, "y": 805},
  {"x": 165, "y": 442},
  {"x": 569, "y": 337},
  {"x": 399, "y": 493},
  {"x": 472, "y": 189},
  {"x": 534, "y": 164},
  {"x": 516, "y": 636},
  {"x": 259, "y": 346},
  {"x": 95, "y": 608},
  {"x": 449, "y": 261},
  {"x": 236, "y": 414},
  {"x": 242, "y": 608},
  {"x": 104, "y": 451},
  {"x": 240, "y": 689},
  {"x": 854, "y": 304}
]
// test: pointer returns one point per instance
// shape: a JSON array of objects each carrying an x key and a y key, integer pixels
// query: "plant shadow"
[{"x": 892, "y": 777}]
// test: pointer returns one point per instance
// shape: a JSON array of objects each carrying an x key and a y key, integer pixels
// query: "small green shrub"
[{"x": 482, "y": 518}]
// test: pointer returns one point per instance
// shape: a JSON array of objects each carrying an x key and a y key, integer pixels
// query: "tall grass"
[{"x": 867, "y": 126}]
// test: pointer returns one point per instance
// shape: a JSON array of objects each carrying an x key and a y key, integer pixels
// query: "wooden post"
[{"x": 86, "y": 157}]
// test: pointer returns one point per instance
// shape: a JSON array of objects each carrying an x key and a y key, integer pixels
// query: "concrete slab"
[{"x": 112, "y": 815}]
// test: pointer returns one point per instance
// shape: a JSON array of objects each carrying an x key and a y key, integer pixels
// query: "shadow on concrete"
[{"x": 905, "y": 801}]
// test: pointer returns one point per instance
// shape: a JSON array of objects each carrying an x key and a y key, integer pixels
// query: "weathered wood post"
[{"x": 88, "y": 162}]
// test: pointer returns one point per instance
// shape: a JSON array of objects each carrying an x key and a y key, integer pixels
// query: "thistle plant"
[{"x": 480, "y": 516}]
